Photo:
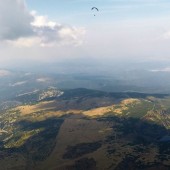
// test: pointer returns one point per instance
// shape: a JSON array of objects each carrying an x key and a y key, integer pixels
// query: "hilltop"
[{"x": 71, "y": 129}]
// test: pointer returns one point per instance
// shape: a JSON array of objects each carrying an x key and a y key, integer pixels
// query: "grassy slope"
[{"x": 122, "y": 130}]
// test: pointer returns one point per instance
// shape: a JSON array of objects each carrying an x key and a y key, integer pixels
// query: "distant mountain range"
[{"x": 16, "y": 83}]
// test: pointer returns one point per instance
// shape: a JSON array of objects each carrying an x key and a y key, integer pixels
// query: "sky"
[{"x": 41, "y": 31}]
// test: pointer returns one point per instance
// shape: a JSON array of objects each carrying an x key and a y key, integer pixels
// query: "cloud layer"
[
  {"x": 14, "y": 20},
  {"x": 21, "y": 27}
]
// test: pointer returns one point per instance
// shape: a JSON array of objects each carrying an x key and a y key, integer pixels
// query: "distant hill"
[{"x": 16, "y": 83}]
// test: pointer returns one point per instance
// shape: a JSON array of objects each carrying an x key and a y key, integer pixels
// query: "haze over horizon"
[
  {"x": 85, "y": 84},
  {"x": 34, "y": 33}
]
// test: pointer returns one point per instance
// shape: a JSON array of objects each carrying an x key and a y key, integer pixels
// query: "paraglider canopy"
[{"x": 94, "y": 8}]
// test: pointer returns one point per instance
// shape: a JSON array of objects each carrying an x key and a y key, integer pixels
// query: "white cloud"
[
  {"x": 166, "y": 69},
  {"x": 71, "y": 34},
  {"x": 25, "y": 42},
  {"x": 52, "y": 33},
  {"x": 4, "y": 73},
  {"x": 42, "y": 21},
  {"x": 14, "y": 20},
  {"x": 18, "y": 83},
  {"x": 20, "y": 27}
]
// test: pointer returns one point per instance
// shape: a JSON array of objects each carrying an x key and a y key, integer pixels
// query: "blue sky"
[
  {"x": 79, "y": 10},
  {"x": 66, "y": 29}
]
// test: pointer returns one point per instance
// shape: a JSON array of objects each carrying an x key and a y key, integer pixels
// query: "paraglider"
[{"x": 94, "y": 8}]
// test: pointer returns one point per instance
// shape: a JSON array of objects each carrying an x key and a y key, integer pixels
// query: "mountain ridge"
[{"x": 83, "y": 127}]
